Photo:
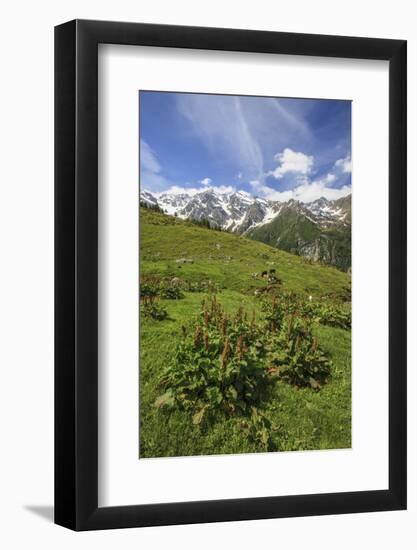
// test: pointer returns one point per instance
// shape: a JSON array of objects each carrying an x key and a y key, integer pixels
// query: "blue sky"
[{"x": 277, "y": 148}]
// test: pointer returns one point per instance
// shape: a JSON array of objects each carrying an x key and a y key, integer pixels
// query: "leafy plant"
[
  {"x": 148, "y": 289},
  {"x": 217, "y": 367},
  {"x": 171, "y": 292},
  {"x": 333, "y": 316},
  {"x": 153, "y": 287},
  {"x": 294, "y": 354},
  {"x": 296, "y": 357},
  {"x": 299, "y": 419},
  {"x": 154, "y": 311},
  {"x": 288, "y": 303},
  {"x": 258, "y": 428},
  {"x": 203, "y": 286}
]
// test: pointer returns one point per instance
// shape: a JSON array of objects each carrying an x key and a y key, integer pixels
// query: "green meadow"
[{"x": 243, "y": 348}]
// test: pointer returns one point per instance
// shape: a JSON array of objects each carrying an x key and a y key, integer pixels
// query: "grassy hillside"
[
  {"x": 296, "y": 233},
  {"x": 225, "y": 258},
  {"x": 286, "y": 230},
  {"x": 204, "y": 261}
]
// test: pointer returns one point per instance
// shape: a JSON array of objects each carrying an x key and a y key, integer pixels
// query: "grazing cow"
[{"x": 264, "y": 273}]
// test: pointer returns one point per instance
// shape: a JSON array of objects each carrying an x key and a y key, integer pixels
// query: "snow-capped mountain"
[
  {"x": 319, "y": 230},
  {"x": 241, "y": 212}
]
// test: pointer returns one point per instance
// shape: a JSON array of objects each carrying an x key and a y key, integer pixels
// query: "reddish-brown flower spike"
[
  {"x": 197, "y": 336},
  {"x": 224, "y": 325},
  {"x": 225, "y": 354},
  {"x": 239, "y": 347}
]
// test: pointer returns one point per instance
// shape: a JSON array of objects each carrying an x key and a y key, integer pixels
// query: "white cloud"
[
  {"x": 313, "y": 191},
  {"x": 344, "y": 164},
  {"x": 205, "y": 181},
  {"x": 259, "y": 188},
  {"x": 292, "y": 161},
  {"x": 330, "y": 178},
  {"x": 307, "y": 191}
]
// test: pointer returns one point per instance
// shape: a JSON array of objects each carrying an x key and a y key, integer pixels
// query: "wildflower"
[
  {"x": 240, "y": 348},
  {"x": 197, "y": 336},
  {"x": 223, "y": 326},
  {"x": 225, "y": 354}
]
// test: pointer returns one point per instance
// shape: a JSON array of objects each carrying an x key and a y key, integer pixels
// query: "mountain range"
[{"x": 318, "y": 230}]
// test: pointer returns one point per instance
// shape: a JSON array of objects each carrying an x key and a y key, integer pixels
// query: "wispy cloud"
[
  {"x": 249, "y": 147},
  {"x": 150, "y": 169},
  {"x": 292, "y": 119},
  {"x": 277, "y": 148},
  {"x": 220, "y": 123},
  {"x": 148, "y": 158}
]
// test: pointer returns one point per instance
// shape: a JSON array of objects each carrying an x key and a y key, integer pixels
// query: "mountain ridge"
[{"x": 318, "y": 230}]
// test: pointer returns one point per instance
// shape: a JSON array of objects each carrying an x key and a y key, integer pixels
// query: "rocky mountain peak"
[{"x": 242, "y": 213}]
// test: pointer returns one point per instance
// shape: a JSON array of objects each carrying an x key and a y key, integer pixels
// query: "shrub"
[
  {"x": 171, "y": 292},
  {"x": 324, "y": 312},
  {"x": 148, "y": 289},
  {"x": 333, "y": 316},
  {"x": 203, "y": 286},
  {"x": 258, "y": 429},
  {"x": 296, "y": 357},
  {"x": 153, "y": 287},
  {"x": 217, "y": 367},
  {"x": 280, "y": 305},
  {"x": 224, "y": 365},
  {"x": 154, "y": 311}
]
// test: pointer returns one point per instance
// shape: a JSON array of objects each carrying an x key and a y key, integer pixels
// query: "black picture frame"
[{"x": 76, "y": 272}]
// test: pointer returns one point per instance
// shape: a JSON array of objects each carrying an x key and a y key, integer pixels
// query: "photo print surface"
[{"x": 245, "y": 274}]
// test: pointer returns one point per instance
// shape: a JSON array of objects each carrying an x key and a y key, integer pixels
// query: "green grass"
[
  {"x": 289, "y": 229},
  {"x": 226, "y": 258},
  {"x": 301, "y": 418}
]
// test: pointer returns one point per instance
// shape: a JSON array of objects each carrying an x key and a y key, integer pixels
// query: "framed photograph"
[{"x": 230, "y": 252}]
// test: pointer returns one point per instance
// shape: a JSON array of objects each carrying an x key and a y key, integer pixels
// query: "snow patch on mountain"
[{"x": 241, "y": 212}]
